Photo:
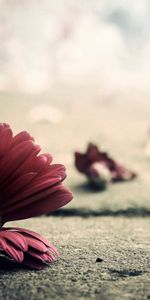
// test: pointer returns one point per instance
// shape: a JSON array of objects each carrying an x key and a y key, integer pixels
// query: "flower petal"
[
  {"x": 13, "y": 158},
  {"x": 5, "y": 140},
  {"x": 27, "y": 247},
  {"x": 50, "y": 202},
  {"x": 15, "y": 238},
  {"x": 3, "y": 244},
  {"x": 22, "y": 137},
  {"x": 36, "y": 236},
  {"x": 14, "y": 253},
  {"x": 28, "y": 179}
]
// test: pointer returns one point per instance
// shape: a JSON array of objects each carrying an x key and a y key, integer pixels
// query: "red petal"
[
  {"x": 22, "y": 137},
  {"x": 30, "y": 194},
  {"x": 14, "y": 158},
  {"x": 36, "y": 236},
  {"x": 50, "y": 203},
  {"x": 5, "y": 140},
  {"x": 19, "y": 184},
  {"x": 36, "y": 244},
  {"x": 15, "y": 238},
  {"x": 25, "y": 167},
  {"x": 14, "y": 253},
  {"x": 40, "y": 256},
  {"x": 3, "y": 244}
]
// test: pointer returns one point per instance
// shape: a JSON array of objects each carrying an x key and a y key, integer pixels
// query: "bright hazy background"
[{"x": 105, "y": 44}]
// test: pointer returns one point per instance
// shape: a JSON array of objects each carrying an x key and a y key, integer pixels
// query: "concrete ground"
[{"x": 113, "y": 225}]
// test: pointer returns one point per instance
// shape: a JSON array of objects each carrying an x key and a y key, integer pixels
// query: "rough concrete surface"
[{"x": 103, "y": 237}]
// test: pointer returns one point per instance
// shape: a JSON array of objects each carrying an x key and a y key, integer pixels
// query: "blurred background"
[
  {"x": 46, "y": 43},
  {"x": 75, "y": 71}
]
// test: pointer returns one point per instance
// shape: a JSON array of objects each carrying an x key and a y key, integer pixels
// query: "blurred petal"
[{"x": 100, "y": 168}]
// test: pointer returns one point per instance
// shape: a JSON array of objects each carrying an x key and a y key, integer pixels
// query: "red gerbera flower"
[
  {"x": 100, "y": 168},
  {"x": 30, "y": 185},
  {"x": 27, "y": 247}
]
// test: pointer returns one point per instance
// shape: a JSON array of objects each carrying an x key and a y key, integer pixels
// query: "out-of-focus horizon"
[{"x": 99, "y": 43}]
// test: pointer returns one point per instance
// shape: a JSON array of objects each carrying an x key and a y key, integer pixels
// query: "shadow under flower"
[
  {"x": 88, "y": 187},
  {"x": 85, "y": 213},
  {"x": 8, "y": 265}
]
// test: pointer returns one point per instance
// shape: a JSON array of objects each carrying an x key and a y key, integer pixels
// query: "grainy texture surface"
[
  {"x": 113, "y": 225},
  {"x": 122, "y": 244}
]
